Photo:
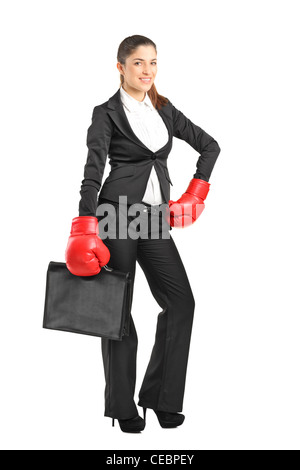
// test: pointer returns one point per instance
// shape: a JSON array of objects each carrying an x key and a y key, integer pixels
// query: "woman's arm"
[
  {"x": 207, "y": 146},
  {"x": 98, "y": 141},
  {"x": 86, "y": 253},
  {"x": 186, "y": 210}
]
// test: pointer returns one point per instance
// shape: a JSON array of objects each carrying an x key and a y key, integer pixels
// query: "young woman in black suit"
[{"x": 134, "y": 128}]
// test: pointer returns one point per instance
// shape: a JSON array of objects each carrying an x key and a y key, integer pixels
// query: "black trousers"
[{"x": 164, "y": 381}]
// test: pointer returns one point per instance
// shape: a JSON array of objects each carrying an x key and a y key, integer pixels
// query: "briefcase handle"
[
  {"x": 107, "y": 268},
  {"x": 128, "y": 274}
]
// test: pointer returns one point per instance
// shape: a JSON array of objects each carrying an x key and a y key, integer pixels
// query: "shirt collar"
[{"x": 132, "y": 104}]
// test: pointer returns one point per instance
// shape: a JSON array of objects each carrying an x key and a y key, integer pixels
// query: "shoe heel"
[
  {"x": 113, "y": 422},
  {"x": 145, "y": 411}
]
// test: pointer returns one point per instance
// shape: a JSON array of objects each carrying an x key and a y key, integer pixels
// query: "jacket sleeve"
[
  {"x": 207, "y": 146},
  {"x": 98, "y": 141}
]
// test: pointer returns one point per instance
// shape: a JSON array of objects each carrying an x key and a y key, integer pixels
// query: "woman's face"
[{"x": 142, "y": 64}]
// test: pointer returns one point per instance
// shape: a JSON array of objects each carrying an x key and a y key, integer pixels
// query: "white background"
[{"x": 231, "y": 67}]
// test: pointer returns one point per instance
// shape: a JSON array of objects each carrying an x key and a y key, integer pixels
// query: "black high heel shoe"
[
  {"x": 166, "y": 419},
  {"x": 136, "y": 424}
]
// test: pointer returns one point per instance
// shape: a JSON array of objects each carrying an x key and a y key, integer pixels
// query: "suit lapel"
[{"x": 119, "y": 117}]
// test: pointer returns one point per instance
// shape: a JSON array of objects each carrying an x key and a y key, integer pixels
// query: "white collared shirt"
[{"x": 150, "y": 128}]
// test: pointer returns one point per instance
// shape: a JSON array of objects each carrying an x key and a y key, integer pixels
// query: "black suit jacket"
[{"x": 110, "y": 135}]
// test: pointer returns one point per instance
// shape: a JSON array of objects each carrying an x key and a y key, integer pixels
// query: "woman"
[{"x": 135, "y": 128}]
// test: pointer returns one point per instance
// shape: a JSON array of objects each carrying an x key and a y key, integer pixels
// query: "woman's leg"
[
  {"x": 164, "y": 382},
  {"x": 119, "y": 357}
]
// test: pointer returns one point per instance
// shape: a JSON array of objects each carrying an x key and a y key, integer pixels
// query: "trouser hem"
[
  {"x": 112, "y": 416},
  {"x": 167, "y": 409}
]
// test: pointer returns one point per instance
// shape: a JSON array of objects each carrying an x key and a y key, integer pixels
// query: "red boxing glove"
[
  {"x": 188, "y": 208},
  {"x": 85, "y": 253}
]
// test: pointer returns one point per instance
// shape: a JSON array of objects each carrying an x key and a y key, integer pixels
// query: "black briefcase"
[{"x": 97, "y": 305}]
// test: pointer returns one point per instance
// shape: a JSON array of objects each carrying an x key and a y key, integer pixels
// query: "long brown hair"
[{"x": 126, "y": 48}]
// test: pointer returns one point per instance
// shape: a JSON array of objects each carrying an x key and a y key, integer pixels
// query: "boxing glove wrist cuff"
[
  {"x": 85, "y": 225},
  {"x": 198, "y": 188}
]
